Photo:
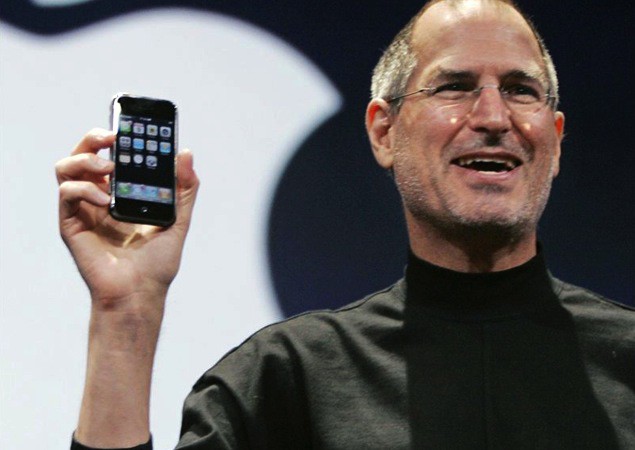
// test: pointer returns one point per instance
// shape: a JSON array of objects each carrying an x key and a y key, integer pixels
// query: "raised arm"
[{"x": 128, "y": 269}]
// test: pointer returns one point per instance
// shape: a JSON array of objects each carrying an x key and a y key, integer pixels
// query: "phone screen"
[{"x": 143, "y": 183}]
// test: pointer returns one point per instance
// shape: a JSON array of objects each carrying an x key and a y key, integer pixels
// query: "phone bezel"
[{"x": 139, "y": 211}]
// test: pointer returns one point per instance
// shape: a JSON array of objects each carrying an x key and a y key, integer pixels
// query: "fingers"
[
  {"x": 81, "y": 176},
  {"x": 83, "y": 162},
  {"x": 94, "y": 140},
  {"x": 73, "y": 192},
  {"x": 82, "y": 166}
]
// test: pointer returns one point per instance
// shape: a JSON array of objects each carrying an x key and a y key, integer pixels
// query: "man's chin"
[
  {"x": 493, "y": 227},
  {"x": 484, "y": 225},
  {"x": 479, "y": 220}
]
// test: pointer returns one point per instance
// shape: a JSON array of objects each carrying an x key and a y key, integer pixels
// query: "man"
[{"x": 477, "y": 348}]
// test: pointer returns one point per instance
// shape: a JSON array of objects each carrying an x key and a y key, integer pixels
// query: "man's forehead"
[
  {"x": 468, "y": 8},
  {"x": 448, "y": 16},
  {"x": 454, "y": 72},
  {"x": 472, "y": 33}
]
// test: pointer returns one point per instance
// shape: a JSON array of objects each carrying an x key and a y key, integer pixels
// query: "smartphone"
[{"x": 143, "y": 184}]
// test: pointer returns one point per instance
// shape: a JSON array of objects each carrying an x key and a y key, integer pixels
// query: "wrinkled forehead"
[{"x": 478, "y": 33}]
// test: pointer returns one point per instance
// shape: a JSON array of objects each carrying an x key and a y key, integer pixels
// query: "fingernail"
[
  {"x": 102, "y": 163},
  {"x": 187, "y": 151},
  {"x": 105, "y": 134},
  {"x": 103, "y": 198}
]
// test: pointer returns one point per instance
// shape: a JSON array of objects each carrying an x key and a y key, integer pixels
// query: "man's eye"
[
  {"x": 521, "y": 90},
  {"x": 453, "y": 91},
  {"x": 453, "y": 87}
]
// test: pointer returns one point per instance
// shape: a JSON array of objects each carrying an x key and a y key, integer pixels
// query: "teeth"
[{"x": 465, "y": 162}]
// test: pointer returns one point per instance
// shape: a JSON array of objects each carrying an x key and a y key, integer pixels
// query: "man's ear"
[
  {"x": 378, "y": 124},
  {"x": 559, "y": 127}
]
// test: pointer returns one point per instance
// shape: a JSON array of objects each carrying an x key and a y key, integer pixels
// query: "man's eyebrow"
[
  {"x": 535, "y": 76},
  {"x": 440, "y": 74}
]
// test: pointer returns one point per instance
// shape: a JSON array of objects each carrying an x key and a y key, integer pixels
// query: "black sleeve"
[
  {"x": 77, "y": 446},
  {"x": 252, "y": 398}
]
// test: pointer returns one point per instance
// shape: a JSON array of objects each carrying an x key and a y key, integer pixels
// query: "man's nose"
[{"x": 490, "y": 112}]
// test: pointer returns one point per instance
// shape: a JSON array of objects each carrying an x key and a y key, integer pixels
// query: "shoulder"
[
  {"x": 594, "y": 313},
  {"x": 376, "y": 310},
  {"x": 380, "y": 310},
  {"x": 585, "y": 300},
  {"x": 323, "y": 333}
]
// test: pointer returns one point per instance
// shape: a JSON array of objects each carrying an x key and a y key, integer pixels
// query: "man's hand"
[
  {"x": 116, "y": 259},
  {"x": 128, "y": 269}
]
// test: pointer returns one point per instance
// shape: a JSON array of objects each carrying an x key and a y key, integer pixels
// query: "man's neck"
[{"x": 471, "y": 251}]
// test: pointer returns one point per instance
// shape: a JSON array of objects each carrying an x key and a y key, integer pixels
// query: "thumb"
[{"x": 186, "y": 187}]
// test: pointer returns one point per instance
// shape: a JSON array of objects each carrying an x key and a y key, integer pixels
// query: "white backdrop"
[{"x": 246, "y": 100}]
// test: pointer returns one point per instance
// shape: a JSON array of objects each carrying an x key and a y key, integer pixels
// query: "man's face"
[{"x": 443, "y": 155}]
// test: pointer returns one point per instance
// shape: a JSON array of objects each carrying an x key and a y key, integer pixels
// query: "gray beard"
[{"x": 496, "y": 229}]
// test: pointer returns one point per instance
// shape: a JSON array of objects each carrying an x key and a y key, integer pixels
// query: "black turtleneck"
[
  {"x": 480, "y": 296},
  {"x": 495, "y": 360},
  {"x": 441, "y": 360}
]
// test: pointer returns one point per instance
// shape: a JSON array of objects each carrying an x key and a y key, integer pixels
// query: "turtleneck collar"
[{"x": 479, "y": 296}]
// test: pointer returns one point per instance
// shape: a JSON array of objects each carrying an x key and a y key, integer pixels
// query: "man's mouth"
[{"x": 490, "y": 164}]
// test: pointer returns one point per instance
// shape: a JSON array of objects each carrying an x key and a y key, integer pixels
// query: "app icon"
[
  {"x": 125, "y": 126},
  {"x": 124, "y": 158},
  {"x": 138, "y": 191},
  {"x": 151, "y": 146},
  {"x": 165, "y": 195},
  {"x": 138, "y": 144},
  {"x": 138, "y": 159},
  {"x": 151, "y": 161},
  {"x": 152, "y": 130},
  {"x": 166, "y": 132},
  {"x": 138, "y": 128},
  {"x": 165, "y": 147},
  {"x": 124, "y": 141},
  {"x": 152, "y": 193},
  {"x": 123, "y": 189}
]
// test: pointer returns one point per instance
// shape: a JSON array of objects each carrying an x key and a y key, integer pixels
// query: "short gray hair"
[{"x": 398, "y": 62}]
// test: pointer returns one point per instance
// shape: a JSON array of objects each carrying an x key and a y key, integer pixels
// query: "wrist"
[
  {"x": 142, "y": 300},
  {"x": 133, "y": 328}
]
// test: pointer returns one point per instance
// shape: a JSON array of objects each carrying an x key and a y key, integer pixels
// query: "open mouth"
[{"x": 487, "y": 164}]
